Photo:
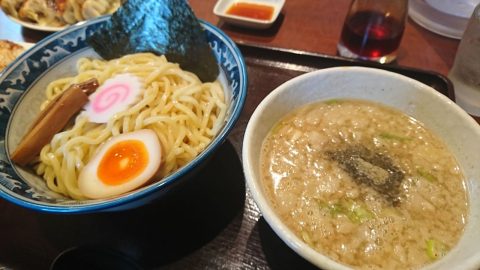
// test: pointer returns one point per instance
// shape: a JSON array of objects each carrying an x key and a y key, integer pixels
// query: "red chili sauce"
[{"x": 250, "y": 10}]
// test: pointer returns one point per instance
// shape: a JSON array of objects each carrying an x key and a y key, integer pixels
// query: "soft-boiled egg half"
[{"x": 123, "y": 163}]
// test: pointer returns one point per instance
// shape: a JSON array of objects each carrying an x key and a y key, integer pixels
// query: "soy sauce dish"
[
  {"x": 250, "y": 13},
  {"x": 361, "y": 168}
]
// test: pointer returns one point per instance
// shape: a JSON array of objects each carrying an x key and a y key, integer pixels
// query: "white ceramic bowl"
[
  {"x": 222, "y": 6},
  {"x": 437, "y": 112},
  {"x": 35, "y": 26}
]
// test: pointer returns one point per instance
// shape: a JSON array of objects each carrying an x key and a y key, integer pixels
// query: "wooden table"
[
  {"x": 305, "y": 25},
  {"x": 315, "y": 26},
  {"x": 218, "y": 226}
]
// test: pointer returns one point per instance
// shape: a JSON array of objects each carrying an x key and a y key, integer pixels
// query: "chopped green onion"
[
  {"x": 277, "y": 128},
  {"x": 426, "y": 175},
  {"x": 436, "y": 249},
  {"x": 360, "y": 215},
  {"x": 333, "y": 102},
  {"x": 354, "y": 212},
  {"x": 306, "y": 238},
  {"x": 337, "y": 209}
]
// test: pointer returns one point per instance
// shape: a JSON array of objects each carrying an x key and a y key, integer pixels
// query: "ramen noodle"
[
  {"x": 184, "y": 113},
  {"x": 364, "y": 184}
]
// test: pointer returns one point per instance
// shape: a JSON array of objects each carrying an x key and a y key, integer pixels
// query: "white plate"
[
  {"x": 25, "y": 45},
  {"x": 445, "y": 17},
  {"x": 459, "y": 8},
  {"x": 35, "y": 26},
  {"x": 222, "y": 6}
]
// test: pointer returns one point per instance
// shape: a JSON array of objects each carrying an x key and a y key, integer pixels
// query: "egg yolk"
[{"x": 122, "y": 162}]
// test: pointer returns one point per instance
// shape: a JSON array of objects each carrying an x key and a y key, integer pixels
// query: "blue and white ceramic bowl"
[{"x": 22, "y": 88}]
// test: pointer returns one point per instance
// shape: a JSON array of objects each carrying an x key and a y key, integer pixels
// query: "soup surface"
[{"x": 365, "y": 184}]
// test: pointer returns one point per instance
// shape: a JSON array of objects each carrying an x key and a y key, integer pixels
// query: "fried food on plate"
[
  {"x": 8, "y": 52},
  {"x": 56, "y": 13}
]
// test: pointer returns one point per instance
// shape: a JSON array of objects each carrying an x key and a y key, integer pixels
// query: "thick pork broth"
[{"x": 364, "y": 184}]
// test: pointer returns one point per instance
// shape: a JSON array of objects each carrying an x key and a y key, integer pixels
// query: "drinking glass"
[
  {"x": 373, "y": 30},
  {"x": 465, "y": 73}
]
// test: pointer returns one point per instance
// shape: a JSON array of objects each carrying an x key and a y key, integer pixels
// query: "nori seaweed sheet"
[
  {"x": 162, "y": 27},
  {"x": 363, "y": 166}
]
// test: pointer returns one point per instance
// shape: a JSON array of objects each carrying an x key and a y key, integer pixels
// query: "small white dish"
[
  {"x": 25, "y": 45},
  {"x": 222, "y": 7},
  {"x": 35, "y": 26},
  {"x": 446, "y": 18}
]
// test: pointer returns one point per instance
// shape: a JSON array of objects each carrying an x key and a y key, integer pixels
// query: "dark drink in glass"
[{"x": 373, "y": 34}]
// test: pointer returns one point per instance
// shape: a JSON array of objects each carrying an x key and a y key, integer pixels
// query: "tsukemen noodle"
[{"x": 169, "y": 117}]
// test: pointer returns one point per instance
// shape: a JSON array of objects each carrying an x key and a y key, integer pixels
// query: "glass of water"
[{"x": 465, "y": 73}]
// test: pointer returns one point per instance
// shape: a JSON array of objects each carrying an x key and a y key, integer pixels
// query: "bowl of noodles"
[{"x": 188, "y": 119}]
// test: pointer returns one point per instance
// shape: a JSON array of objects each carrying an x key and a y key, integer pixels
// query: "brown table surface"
[
  {"x": 306, "y": 25},
  {"x": 216, "y": 223}
]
